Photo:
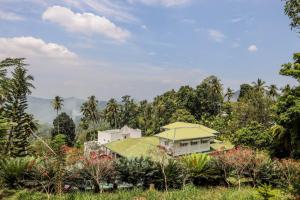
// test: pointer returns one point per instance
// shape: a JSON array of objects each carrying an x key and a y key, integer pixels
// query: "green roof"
[
  {"x": 187, "y": 133},
  {"x": 180, "y": 125},
  {"x": 134, "y": 147}
]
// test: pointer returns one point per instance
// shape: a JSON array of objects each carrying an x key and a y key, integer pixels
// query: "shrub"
[
  {"x": 100, "y": 170},
  {"x": 265, "y": 191},
  {"x": 195, "y": 165},
  {"x": 14, "y": 170},
  {"x": 137, "y": 171}
]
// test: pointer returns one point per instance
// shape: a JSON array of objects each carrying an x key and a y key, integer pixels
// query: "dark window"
[{"x": 183, "y": 144}]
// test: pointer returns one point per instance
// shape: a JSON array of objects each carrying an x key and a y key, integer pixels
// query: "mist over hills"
[{"x": 42, "y": 109}]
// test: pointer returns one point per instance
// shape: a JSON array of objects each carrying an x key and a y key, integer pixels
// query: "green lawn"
[{"x": 188, "y": 193}]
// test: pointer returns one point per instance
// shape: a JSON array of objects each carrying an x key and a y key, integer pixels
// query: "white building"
[
  {"x": 108, "y": 136},
  {"x": 185, "y": 138}
]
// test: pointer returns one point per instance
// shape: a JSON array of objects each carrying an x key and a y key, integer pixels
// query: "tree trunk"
[
  {"x": 165, "y": 178},
  {"x": 57, "y": 123},
  {"x": 9, "y": 142}
]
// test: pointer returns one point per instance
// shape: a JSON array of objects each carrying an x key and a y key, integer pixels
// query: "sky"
[{"x": 110, "y": 48}]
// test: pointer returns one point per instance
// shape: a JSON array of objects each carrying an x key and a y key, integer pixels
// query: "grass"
[{"x": 188, "y": 193}]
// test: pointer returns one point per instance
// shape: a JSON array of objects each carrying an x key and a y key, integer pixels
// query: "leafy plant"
[
  {"x": 13, "y": 170},
  {"x": 265, "y": 191}
]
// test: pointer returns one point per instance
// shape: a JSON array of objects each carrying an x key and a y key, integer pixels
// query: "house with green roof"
[
  {"x": 177, "y": 139},
  {"x": 181, "y": 138}
]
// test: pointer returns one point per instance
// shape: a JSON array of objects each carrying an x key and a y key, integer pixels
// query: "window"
[
  {"x": 166, "y": 143},
  {"x": 183, "y": 144},
  {"x": 204, "y": 141},
  {"x": 194, "y": 142}
]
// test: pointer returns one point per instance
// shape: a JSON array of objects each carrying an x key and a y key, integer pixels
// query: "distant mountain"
[{"x": 42, "y": 110}]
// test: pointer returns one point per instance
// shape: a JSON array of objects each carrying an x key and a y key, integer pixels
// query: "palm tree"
[
  {"x": 229, "y": 94},
  {"x": 90, "y": 111},
  {"x": 57, "y": 104},
  {"x": 259, "y": 85},
  {"x": 273, "y": 91},
  {"x": 111, "y": 112}
]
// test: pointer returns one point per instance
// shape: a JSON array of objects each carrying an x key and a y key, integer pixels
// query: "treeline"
[{"x": 263, "y": 117}]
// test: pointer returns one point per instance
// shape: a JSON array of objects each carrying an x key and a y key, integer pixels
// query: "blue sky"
[{"x": 110, "y": 48}]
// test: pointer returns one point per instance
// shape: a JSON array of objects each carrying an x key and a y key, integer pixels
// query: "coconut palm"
[
  {"x": 273, "y": 91},
  {"x": 90, "y": 111},
  {"x": 57, "y": 104},
  {"x": 259, "y": 85},
  {"x": 111, "y": 112}
]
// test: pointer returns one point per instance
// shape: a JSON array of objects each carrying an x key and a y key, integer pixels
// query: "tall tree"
[
  {"x": 292, "y": 10},
  {"x": 209, "y": 97},
  {"x": 91, "y": 113},
  {"x": 229, "y": 94},
  {"x": 273, "y": 91},
  {"x": 244, "y": 90},
  {"x": 67, "y": 128},
  {"x": 259, "y": 85},
  {"x": 111, "y": 113},
  {"x": 57, "y": 104},
  {"x": 287, "y": 130},
  {"x": 19, "y": 87},
  {"x": 144, "y": 118},
  {"x": 129, "y": 111}
]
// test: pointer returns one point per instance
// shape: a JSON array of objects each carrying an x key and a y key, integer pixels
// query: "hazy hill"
[{"x": 42, "y": 110}]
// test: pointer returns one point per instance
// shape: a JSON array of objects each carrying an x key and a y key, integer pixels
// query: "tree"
[
  {"x": 57, "y": 104},
  {"x": 186, "y": 99},
  {"x": 273, "y": 91},
  {"x": 259, "y": 85},
  {"x": 209, "y": 97},
  {"x": 128, "y": 112},
  {"x": 144, "y": 117},
  {"x": 90, "y": 113},
  {"x": 67, "y": 127},
  {"x": 229, "y": 94},
  {"x": 292, "y": 10},
  {"x": 17, "y": 89},
  {"x": 111, "y": 113},
  {"x": 254, "y": 135},
  {"x": 182, "y": 115},
  {"x": 253, "y": 106},
  {"x": 236, "y": 161},
  {"x": 287, "y": 130},
  {"x": 100, "y": 169},
  {"x": 244, "y": 89}
]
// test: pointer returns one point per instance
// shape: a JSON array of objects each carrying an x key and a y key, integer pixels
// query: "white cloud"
[
  {"x": 31, "y": 47},
  {"x": 144, "y": 27},
  {"x": 86, "y": 23},
  {"x": 236, "y": 20},
  {"x": 252, "y": 48},
  {"x": 216, "y": 35},
  {"x": 9, "y": 16},
  {"x": 110, "y": 8},
  {"x": 166, "y": 3}
]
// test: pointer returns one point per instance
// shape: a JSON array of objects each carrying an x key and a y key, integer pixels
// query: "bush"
[
  {"x": 194, "y": 165},
  {"x": 14, "y": 170},
  {"x": 143, "y": 172}
]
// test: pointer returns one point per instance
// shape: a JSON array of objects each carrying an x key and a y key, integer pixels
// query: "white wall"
[
  {"x": 178, "y": 150},
  {"x": 135, "y": 133},
  {"x": 104, "y": 137},
  {"x": 108, "y": 136}
]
